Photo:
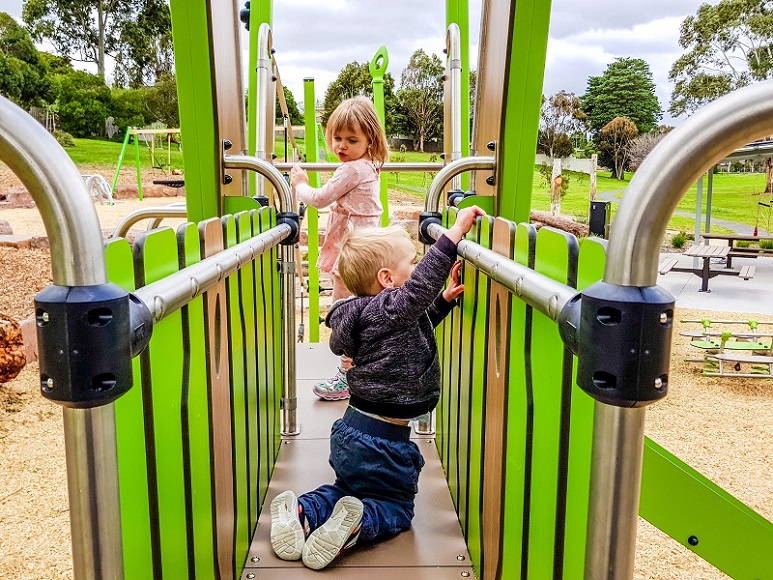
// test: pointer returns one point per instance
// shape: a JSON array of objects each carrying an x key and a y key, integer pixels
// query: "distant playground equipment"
[
  {"x": 729, "y": 353},
  {"x": 99, "y": 189},
  {"x": 150, "y": 137}
]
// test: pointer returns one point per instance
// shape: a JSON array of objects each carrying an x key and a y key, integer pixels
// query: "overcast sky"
[{"x": 317, "y": 39}]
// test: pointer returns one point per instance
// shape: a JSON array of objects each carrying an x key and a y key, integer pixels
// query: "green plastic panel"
[
  {"x": 130, "y": 434},
  {"x": 196, "y": 420},
  {"x": 684, "y": 504}
]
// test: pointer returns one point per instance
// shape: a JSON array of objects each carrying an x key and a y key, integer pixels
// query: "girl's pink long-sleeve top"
[{"x": 353, "y": 196}]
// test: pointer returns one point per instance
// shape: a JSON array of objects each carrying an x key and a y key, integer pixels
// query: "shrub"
[
  {"x": 679, "y": 240},
  {"x": 63, "y": 138},
  {"x": 742, "y": 244},
  {"x": 766, "y": 244}
]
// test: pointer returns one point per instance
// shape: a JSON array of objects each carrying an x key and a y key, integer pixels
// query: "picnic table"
[
  {"x": 706, "y": 253},
  {"x": 737, "y": 251}
]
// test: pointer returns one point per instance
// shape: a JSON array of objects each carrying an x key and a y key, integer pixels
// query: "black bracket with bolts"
[
  {"x": 87, "y": 337},
  {"x": 426, "y": 219}
]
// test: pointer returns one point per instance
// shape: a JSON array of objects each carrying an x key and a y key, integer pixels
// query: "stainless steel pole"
[
  {"x": 265, "y": 93},
  {"x": 77, "y": 259},
  {"x": 454, "y": 68}
]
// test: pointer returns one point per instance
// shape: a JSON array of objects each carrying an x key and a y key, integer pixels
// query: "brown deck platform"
[{"x": 433, "y": 550}]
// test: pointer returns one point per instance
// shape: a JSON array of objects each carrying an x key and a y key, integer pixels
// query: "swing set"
[{"x": 149, "y": 137}]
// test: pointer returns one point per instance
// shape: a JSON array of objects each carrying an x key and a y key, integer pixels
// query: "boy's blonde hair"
[
  {"x": 359, "y": 111},
  {"x": 364, "y": 252}
]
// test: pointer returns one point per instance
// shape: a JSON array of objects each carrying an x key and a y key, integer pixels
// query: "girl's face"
[{"x": 349, "y": 145}]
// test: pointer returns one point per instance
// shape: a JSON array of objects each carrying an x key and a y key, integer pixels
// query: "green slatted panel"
[
  {"x": 156, "y": 258},
  {"x": 454, "y": 393},
  {"x": 730, "y": 535},
  {"x": 236, "y": 340},
  {"x": 519, "y": 416},
  {"x": 480, "y": 284},
  {"x": 263, "y": 331},
  {"x": 464, "y": 348},
  {"x": 197, "y": 414},
  {"x": 443, "y": 336},
  {"x": 590, "y": 269},
  {"x": 552, "y": 259},
  {"x": 275, "y": 376},
  {"x": 251, "y": 328},
  {"x": 130, "y": 435}
]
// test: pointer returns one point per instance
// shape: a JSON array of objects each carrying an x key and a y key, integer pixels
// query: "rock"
[
  {"x": 5, "y": 228},
  {"x": 12, "y": 357},
  {"x": 540, "y": 218}
]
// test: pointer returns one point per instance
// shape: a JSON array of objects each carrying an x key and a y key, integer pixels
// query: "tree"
[
  {"x": 615, "y": 138},
  {"x": 421, "y": 95},
  {"x": 89, "y": 30},
  {"x": 84, "y": 102},
  {"x": 626, "y": 89},
  {"x": 162, "y": 101},
  {"x": 643, "y": 144},
  {"x": 354, "y": 80},
  {"x": 23, "y": 72},
  {"x": 292, "y": 108},
  {"x": 728, "y": 46},
  {"x": 560, "y": 116}
]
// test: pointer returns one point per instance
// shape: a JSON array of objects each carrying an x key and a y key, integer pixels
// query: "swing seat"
[{"x": 169, "y": 182}]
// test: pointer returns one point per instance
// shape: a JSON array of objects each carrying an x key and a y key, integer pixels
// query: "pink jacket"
[{"x": 353, "y": 196}]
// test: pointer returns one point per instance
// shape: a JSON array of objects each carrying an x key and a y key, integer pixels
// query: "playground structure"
[
  {"x": 148, "y": 136},
  {"x": 184, "y": 422}
]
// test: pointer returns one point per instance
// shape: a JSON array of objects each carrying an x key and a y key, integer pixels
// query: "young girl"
[{"x": 355, "y": 135}]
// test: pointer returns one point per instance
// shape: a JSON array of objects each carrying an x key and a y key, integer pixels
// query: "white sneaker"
[
  {"x": 339, "y": 532},
  {"x": 287, "y": 536}
]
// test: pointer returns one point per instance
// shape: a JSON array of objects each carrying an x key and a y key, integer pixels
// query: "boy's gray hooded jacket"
[{"x": 391, "y": 339}]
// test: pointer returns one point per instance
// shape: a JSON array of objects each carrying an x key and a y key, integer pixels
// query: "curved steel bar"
[
  {"x": 454, "y": 73},
  {"x": 632, "y": 258},
  {"x": 265, "y": 92},
  {"x": 670, "y": 169},
  {"x": 388, "y": 167},
  {"x": 77, "y": 259},
  {"x": 171, "y": 293},
  {"x": 267, "y": 170},
  {"x": 448, "y": 172},
  {"x": 146, "y": 213},
  {"x": 56, "y": 185}
]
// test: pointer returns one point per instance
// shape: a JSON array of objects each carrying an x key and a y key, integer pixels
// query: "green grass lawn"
[{"x": 735, "y": 196}]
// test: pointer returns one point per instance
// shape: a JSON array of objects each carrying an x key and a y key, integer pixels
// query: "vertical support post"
[
  {"x": 698, "y": 217},
  {"x": 137, "y": 164},
  {"x": 120, "y": 157},
  {"x": 594, "y": 166},
  {"x": 555, "y": 188},
  {"x": 458, "y": 12},
  {"x": 709, "y": 192},
  {"x": 260, "y": 13},
  {"x": 287, "y": 267},
  {"x": 378, "y": 67},
  {"x": 312, "y": 216},
  {"x": 266, "y": 93}
]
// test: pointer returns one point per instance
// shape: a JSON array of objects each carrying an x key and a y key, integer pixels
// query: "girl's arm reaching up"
[{"x": 345, "y": 178}]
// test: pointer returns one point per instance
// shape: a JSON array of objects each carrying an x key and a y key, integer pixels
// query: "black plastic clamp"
[
  {"x": 244, "y": 15},
  {"x": 293, "y": 220},
  {"x": 624, "y": 343},
  {"x": 454, "y": 196},
  {"x": 87, "y": 336},
  {"x": 426, "y": 219},
  {"x": 262, "y": 200}
]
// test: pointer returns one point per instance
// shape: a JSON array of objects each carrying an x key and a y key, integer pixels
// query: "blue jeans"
[{"x": 376, "y": 462}]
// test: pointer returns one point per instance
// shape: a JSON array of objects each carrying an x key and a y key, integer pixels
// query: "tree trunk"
[
  {"x": 555, "y": 188},
  {"x": 769, "y": 178},
  {"x": 594, "y": 163},
  {"x": 101, "y": 40},
  {"x": 421, "y": 141}
]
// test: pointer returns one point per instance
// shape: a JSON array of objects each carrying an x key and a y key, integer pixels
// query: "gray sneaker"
[
  {"x": 287, "y": 535},
  {"x": 333, "y": 389},
  {"x": 339, "y": 532}
]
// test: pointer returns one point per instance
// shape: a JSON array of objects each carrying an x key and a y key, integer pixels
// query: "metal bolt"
[
  {"x": 227, "y": 144},
  {"x": 465, "y": 574},
  {"x": 692, "y": 540},
  {"x": 50, "y": 383},
  {"x": 658, "y": 383},
  {"x": 491, "y": 145},
  {"x": 45, "y": 317},
  {"x": 490, "y": 180},
  {"x": 250, "y": 575},
  {"x": 663, "y": 318},
  {"x": 255, "y": 559},
  {"x": 227, "y": 179},
  {"x": 460, "y": 557}
]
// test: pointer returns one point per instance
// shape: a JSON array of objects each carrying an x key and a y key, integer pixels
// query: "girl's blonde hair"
[
  {"x": 359, "y": 111},
  {"x": 364, "y": 252}
]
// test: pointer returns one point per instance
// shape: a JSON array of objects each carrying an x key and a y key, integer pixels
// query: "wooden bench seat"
[
  {"x": 747, "y": 272},
  {"x": 666, "y": 266}
]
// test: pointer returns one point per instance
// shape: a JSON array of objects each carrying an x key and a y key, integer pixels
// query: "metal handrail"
[
  {"x": 147, "y": 213},
  {"x": 77, "y": 259},
  {"x": 386, "y": 167},
  {"x": 454, "y": 168}
]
